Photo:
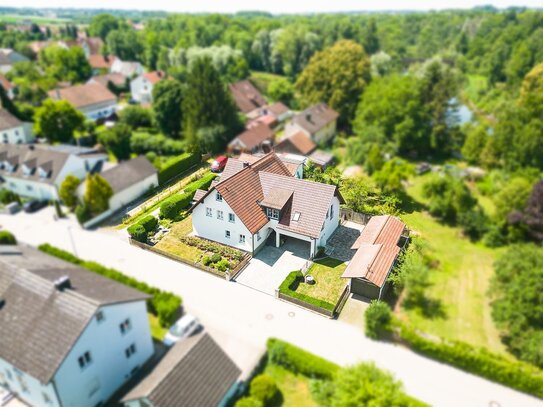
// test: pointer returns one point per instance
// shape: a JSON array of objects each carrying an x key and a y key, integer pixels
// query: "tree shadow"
[{"x": 429, "y": 307}]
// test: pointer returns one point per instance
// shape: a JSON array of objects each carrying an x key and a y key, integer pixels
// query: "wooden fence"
[{"x": 347, "y": 214}]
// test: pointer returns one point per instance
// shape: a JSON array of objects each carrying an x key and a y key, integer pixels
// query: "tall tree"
[
  {"x": 117, "y": 140},
  {"x": 167, "y": 105},
  {"x": 102, "y": 24},
  {"x": 97, "y": 194},
  {"x": 57, "y": 121},
  {"x": 370, "y": 39},
  {"x": 68, "y": 191}
]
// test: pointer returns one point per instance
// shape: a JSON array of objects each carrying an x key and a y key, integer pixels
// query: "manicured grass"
[
  {"x": 294, "y": 388},
  {"x": 328, "y": 282},
  {"x": 171, "y": 243},
  {"x": 157, "y": 332}
]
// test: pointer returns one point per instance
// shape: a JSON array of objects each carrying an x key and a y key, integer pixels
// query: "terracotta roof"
[
  {"x": 8, "y": 121},
  {"x": 252, "y": 137},
  {"x": 292, "y": 164},
  {"x": 199, "y": 194},
  {"x": 154, "y": 76},
  {"x": 377, "y": 249},
  {"x": 7, "y": 85},
  {"x": 98, "y": 61},
  {"x": 246, "y": 96},
  {"x": 83, "y": 95},
  {"x": 315, "y": 117},
  {"x": 297, "y": 143},
  {"x": 278, "y": 108},
  {"x": 115, "y": 78}
]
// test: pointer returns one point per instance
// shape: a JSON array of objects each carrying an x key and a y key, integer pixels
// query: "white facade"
[
  {"x": 141, "y": 89},
  {"x": 99, "y": 110},
  {"x": 109, "y": 367},
  {"x": 133, "y": 192},
  {"x": 18, "y": 135}
]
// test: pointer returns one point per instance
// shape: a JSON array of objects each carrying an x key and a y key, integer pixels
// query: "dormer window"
[
  {"x": 272, "y": 213},
  {"x": 27, "y": 170}
]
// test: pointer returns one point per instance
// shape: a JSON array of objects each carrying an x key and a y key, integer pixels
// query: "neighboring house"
[
  {"x": 263, "y": 200},
  {"x": 129, "y": 180},
  {"x": 195, "y": 372},
  {"x": 127, "y": 68},
  {"x": 95, "y": 101},
  {"x": 14, "y": 131},
  {"x": 8, "y": 57},
  {"x": 321, "y": 159},
  {"x": 318, "y": 122},
  {"x": 294, "y": 164},
  {"x": 298, "y": 143},
  {"x": 256, "y": 139},
  {"x": 8, "y": 86},
  {"x": 280, "y": 111},
  {"x": 377, "y": 249},
  {"x": 36, "y": 171},
  {"x": 90, "y": 45},
  {"x": 69, "y": 336},
  {"x": 141, "y": 87},
  {"x": 246, "y": 96},
  {"x": 100, "y": 63},
  {"x": 116, "y": 79}
]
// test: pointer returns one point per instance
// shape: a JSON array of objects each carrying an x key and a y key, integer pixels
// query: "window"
[
  {"x": 8, "y": 373},
  {"x": 296, "y": 216},
  {"x": 16, "y": 132},
  {"x": 272, "y": 213},
  {"x": 209, "y": 212},
  {"x": 84, "y": 360},
  {"x": 218, "y": 197},
  {"x": 242, "y": 238},
  {"x": 220, "y": 215},
  {"x": 231, "y": 217},
  {"x": 22, "y": 382},
  {"x": 29, "y": 187},
  {"x": 130, "y": 350},
  {"x": 46, "y": 398},
  {"x": 227, "y": 234},
  {"x": 331, "y": 211},
  {"x": 258, "y": 236},
  {"x": 99, "y": 316},
  {"x": 125, "y": 326}
]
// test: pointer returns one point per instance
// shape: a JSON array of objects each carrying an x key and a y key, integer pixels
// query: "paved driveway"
[{"x": 271, "y": 265}]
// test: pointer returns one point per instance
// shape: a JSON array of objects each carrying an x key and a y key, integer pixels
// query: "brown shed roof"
[
  {"x": 253, "y": 137},
  {"x": 98, "y": 61},
  {"x": 83, "y": 95},
  {"x": 115, "y": 78},
  {"x": 246, "y": 96},
  {"x": 297, "y": 143}
]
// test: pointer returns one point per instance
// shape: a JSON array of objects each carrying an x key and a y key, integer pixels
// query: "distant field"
[{"x": 15, "y": 18}]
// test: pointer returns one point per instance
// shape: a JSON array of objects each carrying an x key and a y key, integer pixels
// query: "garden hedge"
[
  {"x": 137, "y": 232},
  {"x": 299, "y": 361},
  {"x": 177, "y": 165},
  {"x": 149, "y": 223},
  {"x": 165, "y": 305},
  {"x": 7, "y": 238},
  {"x": 202, "y": 183},
  {"x": 289, "y": 285}
]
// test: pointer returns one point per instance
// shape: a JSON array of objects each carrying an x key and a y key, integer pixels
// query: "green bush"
[
  {"x": 149, "y": 223},
  {"x": 216, "y": 258},
  {"x": 171, "y": 208},
  {"x": 206, "y": 261},
  {"x": 249, "y": 402},
  {"x": 208, "y": 246},
  {"x": 82, "y": 213},
  {"x": 163, "y": 304},
  {"x": 7, "y": 238},
  {"x": 222, "y": 265},
  {"x": 138, "y": 233},
  {"x": 264, "y": 388},
  {"x": 299, "y": 361},
  {"x": 290, "y": 284},
  {"x": 7, "y": 196},
  {"x": 177, "y": 166},
  {"x": 377, "y": 319},
  {"x": 202, "y": 183}
]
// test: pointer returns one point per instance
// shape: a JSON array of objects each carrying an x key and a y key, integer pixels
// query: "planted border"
[{"x": 288, "y": 288}]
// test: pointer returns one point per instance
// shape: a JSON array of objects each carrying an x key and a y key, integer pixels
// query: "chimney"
[
  {"x": 245, "y": 164},
  {"x": 308, "y": 117},
  {"x": 62, "y": 283},
  {"x": 57, "y": 93}
]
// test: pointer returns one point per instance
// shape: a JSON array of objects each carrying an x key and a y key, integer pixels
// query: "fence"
[
  {"x": 319, "y": 310},
  {"x": 347, "y": 214},
  {"x": 228, "y": 275}
]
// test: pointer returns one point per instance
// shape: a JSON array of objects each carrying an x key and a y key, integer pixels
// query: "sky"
[{"x": 273, "y": 6}]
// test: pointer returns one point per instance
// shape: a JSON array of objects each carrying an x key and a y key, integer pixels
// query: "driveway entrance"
[{"x": 267, "y": 270}]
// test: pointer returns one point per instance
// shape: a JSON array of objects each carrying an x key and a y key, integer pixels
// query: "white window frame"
[
  {"x": 258, "y": 237},
  {"x": 218, "y": 197},
  {"x": 242, "y": 238},
  {"x": 227, "y": 234},
  {"x": 209, "y": 212},
  {"x": 85, "y": 360},
  {"x": 231, "y": 218},
  {"x": 273, "y": 213},
  {"x": 125, "y": 326},
  {"x": 220, "y": 215}
]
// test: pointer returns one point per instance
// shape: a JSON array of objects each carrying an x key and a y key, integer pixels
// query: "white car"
[
  {"x": 182, "y": 329},
  {"x": 5, "y": 396}
]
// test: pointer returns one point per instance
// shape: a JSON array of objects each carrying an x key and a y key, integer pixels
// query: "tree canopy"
[{"x": 57, "y": 121}]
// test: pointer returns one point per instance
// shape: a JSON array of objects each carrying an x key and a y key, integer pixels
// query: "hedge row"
[
  {"x": 7, "y": 238},
  {"x": 202, "y": 183},
  {"x": 518, "y": 375},
  {"x": 139, "y": 231},
  {"x": 165, "y": 305},
  {"x": 299, "y": 361},
  {"x": 290, "y": 284},
  {"x": 177, "y": 165}
]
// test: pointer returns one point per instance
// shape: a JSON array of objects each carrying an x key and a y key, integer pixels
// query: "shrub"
[
  {"x": 222, "y": 265},
  {"x": 7, "y": 238},
  {"x": 138, "y": 233},
  {"x": 377, "y": 321},
  {"x": 142, "y": 142},
  {"x": 206, "y": 261},
  {"x": 249, "y": 402},
  {"x": 216, "y": 258},
  {"x": 206, "y": 245},
  {"x": 177, "y": 165},
  {"x": 7, "y": 196},
  {"x": 82, "y": 213},
  {"x": 264, "y": 388},
  {"x": 172, "y": 207},
  {"x": 300, "y": 361},
  {"x": 202, "y": 183},
  {"x": 474, "y": 223},
  {"x": 149, "y": 223},
  {"x": 290, "y": 284},
  {"x": 163, "y": 304}
]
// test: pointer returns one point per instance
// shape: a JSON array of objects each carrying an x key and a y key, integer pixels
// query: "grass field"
[
  {"x": 16, "y": 18},
  {"x": 294, "y": 388},
  {"x": 328, "y": 282},
  {"x": 460, "y": 281}
]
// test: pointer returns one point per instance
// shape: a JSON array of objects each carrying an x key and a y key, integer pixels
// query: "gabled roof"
[
  {"x": 253, "y": 137},
  {"x": 297, "y": 143},
  {"x": 98, "y": 61},
  {"x": 94, "y": 44},
  {"x": 81, "y": 96},
  {"x": 315, "y": 117},
  {"x": 291, "y": 163},
  {"x": 115, "y": 78},
  {"x": 382, "y": 229},
  {"x": 276, "y": 198},
  {"x": 321, "y": 158},
  {"x": 41, "y": 323},
  {"x": 278, "y": 108},
  {"x": 154, "y": 76},
  {"x": 195, "y": 372},
  {"x": 128, "y": 173},
  {"x": 8, "y": 121},
  {"x": 246, "y": 96}
]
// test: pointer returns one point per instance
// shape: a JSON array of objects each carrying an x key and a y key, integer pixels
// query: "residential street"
[{"x": 252, "y": 316}]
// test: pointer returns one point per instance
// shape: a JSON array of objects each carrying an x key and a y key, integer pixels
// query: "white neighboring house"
[
  {"x": 94, "y": 100},
  {"x": 141, "y": 87},
  {"x": 8, "y": 57},
  {"x": 14, "y": 131},
  {"x": 245, "y": 207},
  {"x": 127, "y": 68},
  {"x": 318, "y": 122},
  {"x": 8, "y": 86},
  {"x": 79, "y": 336},
  {"x": 36, "y": 171}
]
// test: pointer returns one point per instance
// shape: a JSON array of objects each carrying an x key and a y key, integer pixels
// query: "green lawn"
[
  {"x": 262, "y": 79},
  {"x": 460, "y": 281},
  {"x": 328, "y": 282},
  {"x": 157, "y": 332},
  {"x": 171, "y": 243},
  {"x": 16, "y": 18},
  {"x": 294, "y": 388}
]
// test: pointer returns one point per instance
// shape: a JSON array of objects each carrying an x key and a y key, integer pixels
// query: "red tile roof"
[
  {"x": 278, "y": 108},
  {"x": 252, "y": 137},
  {"x": 298, "y": 143},
  {"x": 7, "y": 85},
  {"x": 246, "y": 96},
  {"x": 154, "y": 76},
  {"x": 98, "y": 61}
]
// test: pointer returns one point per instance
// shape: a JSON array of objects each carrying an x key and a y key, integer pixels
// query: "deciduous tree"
[{"x": 57, "y": 121}]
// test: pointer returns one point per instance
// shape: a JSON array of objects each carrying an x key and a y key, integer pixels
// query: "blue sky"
[{"x": 274, "y": 6}]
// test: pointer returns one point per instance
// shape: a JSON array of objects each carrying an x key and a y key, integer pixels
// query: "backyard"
[
  {"x": 328, "y": 282},
  {"x": 294, "y": 387}
]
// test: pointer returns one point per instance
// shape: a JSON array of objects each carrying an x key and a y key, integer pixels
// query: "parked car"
[
  {"x": 5, "y": 396},
  {"x": 219, "y": 164},
  {"x": 12, "y": 208},
  {"x": 182, "y": 329},
  {"x": 34, "y": 206}
]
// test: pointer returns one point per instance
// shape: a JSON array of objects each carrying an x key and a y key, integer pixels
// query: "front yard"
[{"x": 328, "y": 284}]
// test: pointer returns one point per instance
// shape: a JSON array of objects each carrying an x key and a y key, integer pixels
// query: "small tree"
[
  {"x": 377, "y": 319},
  {"x": 167, "y": 101},
  {"x": 68, "y": 191},
  {"x": 97, "y": 194},
  {"x": 263, "y": 388},
  {"x": 117, "y": 140},
  {"x": 57, "y": 121}
]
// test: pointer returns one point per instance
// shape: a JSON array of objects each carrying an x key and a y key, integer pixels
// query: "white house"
[
  {"x": 14, "y": 131},
  {"x": 69, "y": 337},
  {"x": 263, "y": 199},
  {"x": 318, "y": 122},
  {"x": 8, "y": 57},
  {"x": 141, "y": 87},
  {"x": 8, "y": 86},
  {"x": 126, "y": 68},
  {"x": 36, "y": 171},
  {"x": 94, "y": 100}
]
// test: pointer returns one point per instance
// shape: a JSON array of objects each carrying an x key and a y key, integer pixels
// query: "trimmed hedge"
[
  {"x": 172, "y": 207},
  {"x": 7, "y": 238},
  {"x": 264, "y": 388},
  {"x": 290, "y": 284},
  {"x": 299, "y": 361},
  {"x": 165, "y": 305},
  {"x": 177, "y": 165},
  {"x": 137, "y": 232},
  {"x": 149, "y": 223},
  {"x": 202, "y": 183}
]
